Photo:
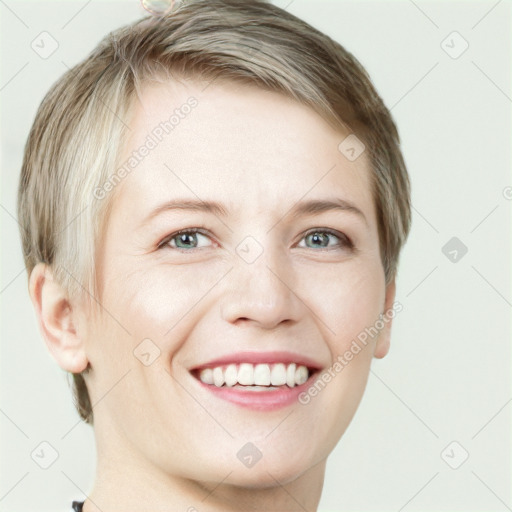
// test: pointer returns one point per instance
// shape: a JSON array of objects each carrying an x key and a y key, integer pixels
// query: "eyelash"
[{"x": 344, "y": 239}]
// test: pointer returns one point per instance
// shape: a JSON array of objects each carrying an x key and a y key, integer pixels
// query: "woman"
[{"x": 212, "y": 205}]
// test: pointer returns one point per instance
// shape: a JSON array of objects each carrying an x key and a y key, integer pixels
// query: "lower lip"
[{"x": 260, "y": 400}]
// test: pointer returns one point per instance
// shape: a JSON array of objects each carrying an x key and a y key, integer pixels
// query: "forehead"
[{"x": 250, "y": 148}]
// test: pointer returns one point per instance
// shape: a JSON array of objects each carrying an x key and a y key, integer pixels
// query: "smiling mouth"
[{"x": 255, "y": 377}]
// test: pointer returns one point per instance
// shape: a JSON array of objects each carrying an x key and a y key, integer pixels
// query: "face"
[{"x": 277, "y": 262}]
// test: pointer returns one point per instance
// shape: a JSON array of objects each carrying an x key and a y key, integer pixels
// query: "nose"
[{"x": 262, "y": 293}]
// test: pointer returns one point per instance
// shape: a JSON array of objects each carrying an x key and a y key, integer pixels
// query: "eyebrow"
[
  {"x": 314, "y": 206},
  {"x": 302, "y": 208}
]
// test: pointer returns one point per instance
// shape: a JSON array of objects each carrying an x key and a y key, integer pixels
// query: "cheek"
[
  {"x": 156, "y": 302},
  {"x": 143, "y": 312},
  {"x": 159, "y": 301},
  {"x": 345, "y": 301}
]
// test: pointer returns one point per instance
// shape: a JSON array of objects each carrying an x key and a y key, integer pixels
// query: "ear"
[
  {"x": 384, "y": 337},
  {"x": 57, "y": 319}
]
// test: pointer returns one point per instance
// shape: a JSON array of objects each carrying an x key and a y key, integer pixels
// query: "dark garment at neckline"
[{"x": 77, "y": 506}]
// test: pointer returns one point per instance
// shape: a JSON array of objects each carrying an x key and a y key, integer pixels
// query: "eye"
[
  {"x": 321, "y": 238},
  {"x": 190, "y": 239},
  {"x": 184, "y": 239}
]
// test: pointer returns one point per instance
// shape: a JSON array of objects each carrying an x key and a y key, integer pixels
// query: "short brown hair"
[{"x": 77, "y": 136}]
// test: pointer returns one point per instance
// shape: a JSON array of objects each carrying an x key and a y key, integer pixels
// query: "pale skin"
[{"x": 164, "y": 442}]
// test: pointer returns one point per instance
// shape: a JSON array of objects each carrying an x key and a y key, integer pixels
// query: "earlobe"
[
  {"x": 384, "y": 337},
  {"x": 57, "y": 319}
]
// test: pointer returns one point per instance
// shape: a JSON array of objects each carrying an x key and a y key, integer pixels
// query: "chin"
[
  {"x": 273, "y": 468},
  {"x": 265, "y": 477}
]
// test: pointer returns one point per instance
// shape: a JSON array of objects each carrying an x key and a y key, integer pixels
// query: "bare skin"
[{"x": 164, "y": 442}]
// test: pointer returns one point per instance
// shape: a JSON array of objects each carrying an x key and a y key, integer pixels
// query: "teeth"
[
  {"x": 231, "y": 375},
  {"x": 278, "y": 374},
  {"x": 206, "y": 376},
  {"x": 262, "y": 375},
  {"x": 247, "y": 374},
  {"x": 301, "y": 375},
  {"x": 218, "y": 376},
  {"x": 290, "y": 375}
]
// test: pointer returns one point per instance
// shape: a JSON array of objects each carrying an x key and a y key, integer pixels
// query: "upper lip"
[{"x": 255, "y": 357}]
